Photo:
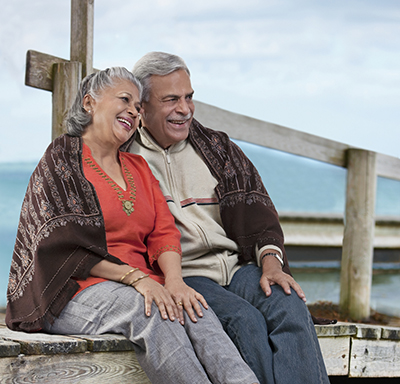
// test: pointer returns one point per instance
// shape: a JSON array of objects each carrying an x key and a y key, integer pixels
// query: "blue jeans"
[{"x": 275, "y": 335}]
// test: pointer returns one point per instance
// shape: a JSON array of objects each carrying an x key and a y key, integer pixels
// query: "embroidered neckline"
[{"x": 127, "y": 205}]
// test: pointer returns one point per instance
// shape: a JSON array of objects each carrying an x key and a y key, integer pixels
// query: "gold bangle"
[
  {"x": 127, "y": 273},
  {"x": 139, "y": 278}
]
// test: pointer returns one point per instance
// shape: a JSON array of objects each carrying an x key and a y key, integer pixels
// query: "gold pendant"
[{"x": 127, "y": 207}]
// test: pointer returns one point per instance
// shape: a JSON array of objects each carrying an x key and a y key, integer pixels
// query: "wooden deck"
[{"x": 349, "y": 350}]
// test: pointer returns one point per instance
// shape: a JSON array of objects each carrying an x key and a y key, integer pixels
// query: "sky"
[{"x": 329, "y": 68}]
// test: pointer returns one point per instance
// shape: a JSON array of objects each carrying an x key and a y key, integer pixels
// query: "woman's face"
[{"x": 115, "y": 114}]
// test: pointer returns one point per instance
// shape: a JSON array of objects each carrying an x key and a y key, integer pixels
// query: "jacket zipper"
[{"x": 224, "y": 266}]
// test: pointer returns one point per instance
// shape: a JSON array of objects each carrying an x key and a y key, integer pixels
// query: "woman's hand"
[
  {"x": 185, "y": 298},
  {"x": 153, "y": 291},
  {"x": 150, "y": 289}
]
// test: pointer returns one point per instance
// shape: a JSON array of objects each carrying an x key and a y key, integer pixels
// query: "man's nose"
[{"x": 183, "y": 107}]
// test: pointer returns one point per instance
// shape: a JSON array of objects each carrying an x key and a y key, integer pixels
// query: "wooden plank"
[
  {"x": 336, "y": 354},
  {"x": 327, "y": 230},
  {"x": 79, "y": 368},
  {"x": 44, "y": 344},
  {"x": 82, "y": 16},
  {"x": 285, "y": 139},
  {"x": 108, "y": 342},
  {"x": 374, "y": 350},
  {"x": 39, "y": 70},
  {"x": 271, "y": 135},
  {"x": 9, "y": 348},
  {"x": 388, "y": 166},
  {"x": 372, "y": 358},
  {"x": 366, "y": 331},
  {"x": 339, "y": 329},
  {"x": 390, "y": 333}
]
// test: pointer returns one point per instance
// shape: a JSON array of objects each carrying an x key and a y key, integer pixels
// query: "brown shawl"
[
  {"x": 60, "y": 237},
  {"x": 247, "y": 212}
]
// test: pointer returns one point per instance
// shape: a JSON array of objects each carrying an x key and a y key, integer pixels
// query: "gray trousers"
[{"x": 168, "y": 352}]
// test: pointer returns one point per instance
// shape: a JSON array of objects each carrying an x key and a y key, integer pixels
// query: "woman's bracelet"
[
  {"x": 139, "y": 278},
  {"x": 128, "y": 273},
  {"x": 273, "y": 254}
]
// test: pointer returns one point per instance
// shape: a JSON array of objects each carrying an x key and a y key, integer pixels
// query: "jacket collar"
[{"x": 146, "y": 139}]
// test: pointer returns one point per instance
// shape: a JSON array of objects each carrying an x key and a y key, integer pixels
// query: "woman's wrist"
[
  {"x": 141, "y": 277},
  {"x": 126, "y": 275},
  {"x": 134, "y": 277},
  {"x": 173, "y": 277}
]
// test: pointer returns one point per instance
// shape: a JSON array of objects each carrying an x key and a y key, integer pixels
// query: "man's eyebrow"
[{"x": 173, "y": 96}]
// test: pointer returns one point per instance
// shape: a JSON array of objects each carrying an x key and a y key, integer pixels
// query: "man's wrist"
[{"x": 272, "y": 254}]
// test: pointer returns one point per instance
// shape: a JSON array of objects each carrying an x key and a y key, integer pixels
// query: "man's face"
[{"x": 169, "y": 111}]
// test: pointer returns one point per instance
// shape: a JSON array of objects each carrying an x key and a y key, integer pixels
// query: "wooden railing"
[
  {"x": 62, "y": 77},
  {"x": 363, "y": 168}
]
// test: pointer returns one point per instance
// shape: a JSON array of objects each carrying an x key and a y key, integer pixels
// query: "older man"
[{"x": 232, "y": 242}]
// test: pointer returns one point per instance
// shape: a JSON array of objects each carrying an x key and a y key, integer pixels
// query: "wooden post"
[
  {"x": 66, "y": 78},
  {"x": 82, "y": 20},
  {"x": 357, "y": 255},
  {"x": 61, "y": 76}
]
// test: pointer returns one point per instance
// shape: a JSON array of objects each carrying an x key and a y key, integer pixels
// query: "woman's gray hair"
[
  {"x": 156, "y": 63},
  {"x": 78, "y": 118}
]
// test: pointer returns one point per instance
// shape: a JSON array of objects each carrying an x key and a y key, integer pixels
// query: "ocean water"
[
  {"x": 14, "y": 179},
  {"x": 295, "y": 184}
]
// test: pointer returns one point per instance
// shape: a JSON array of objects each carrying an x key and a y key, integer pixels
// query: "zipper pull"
[{"x": 167, "y": 155}]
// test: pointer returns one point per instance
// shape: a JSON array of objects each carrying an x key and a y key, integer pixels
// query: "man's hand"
[{"x": 273, "y": 274}]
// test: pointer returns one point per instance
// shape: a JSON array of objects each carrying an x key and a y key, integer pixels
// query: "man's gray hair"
[
  {"x": 156, "y": 63},
  {"x": 78, "y": 118}
]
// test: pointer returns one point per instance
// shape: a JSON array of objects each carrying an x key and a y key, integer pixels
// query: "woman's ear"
[{"x": 88, "y": 103}]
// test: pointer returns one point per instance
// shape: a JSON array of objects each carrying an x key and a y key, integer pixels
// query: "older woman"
[{"x": 97, "y": 250}]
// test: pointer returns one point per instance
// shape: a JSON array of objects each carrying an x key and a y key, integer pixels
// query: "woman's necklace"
[{"x": 127, "y": 205}]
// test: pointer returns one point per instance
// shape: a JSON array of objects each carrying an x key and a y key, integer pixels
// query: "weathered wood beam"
[
  {"x": 82, "y": 20},
  {"x": 388, "y": 166},
  {"x": 286, "y": 139},
  {"x": 82, "y": 368},
  {"x": 357, "y": 255},
  {"x": 39, "y": 69},
  {"x": 271, "y": 135}
]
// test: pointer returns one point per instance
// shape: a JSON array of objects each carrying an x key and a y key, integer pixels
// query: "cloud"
[{"x": 329, "y": 68}]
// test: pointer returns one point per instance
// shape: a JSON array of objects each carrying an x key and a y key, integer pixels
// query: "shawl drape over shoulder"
[
  {"x": 60, "y": 237},
  {"x": 247, "y": 212}
]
